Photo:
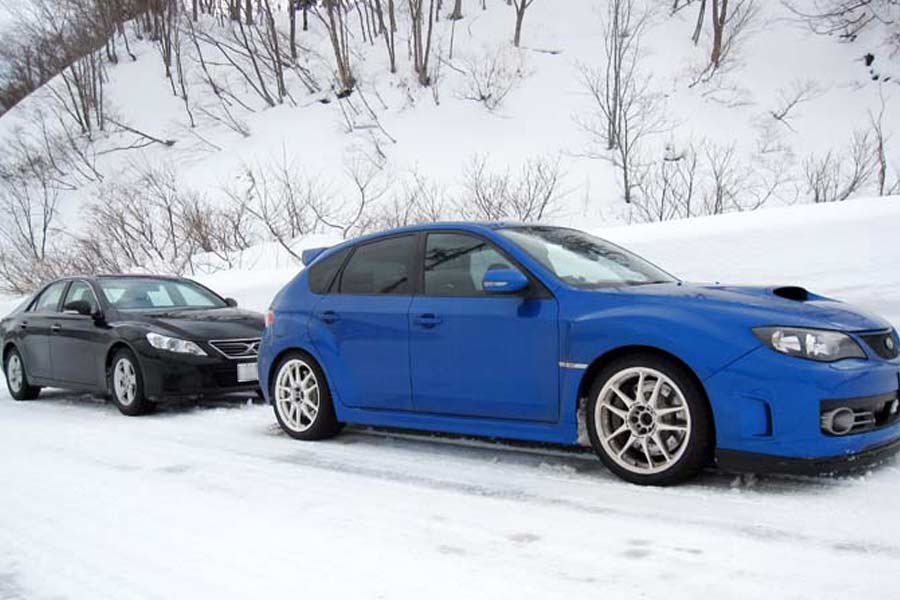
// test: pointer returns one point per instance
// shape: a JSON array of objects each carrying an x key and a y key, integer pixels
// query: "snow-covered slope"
[
  {"x": 844, "y": 250},
  {"x": 437, "y": 130}
]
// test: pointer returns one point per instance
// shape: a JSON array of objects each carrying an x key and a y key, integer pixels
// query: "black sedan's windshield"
[
  {"x": 582, "y": 260},
  {"x": 143, "y": 293}
]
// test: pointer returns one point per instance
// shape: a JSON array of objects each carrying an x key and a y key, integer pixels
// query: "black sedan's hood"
[{"x": 212, "y": 324}]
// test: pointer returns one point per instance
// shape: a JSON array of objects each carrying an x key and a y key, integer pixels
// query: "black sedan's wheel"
[
  {"x": 16, "y": 378},
  {"x": 126, "y": 385},
  {"x": 302, "y": 400},
  {"x": 649, "y": 421}
]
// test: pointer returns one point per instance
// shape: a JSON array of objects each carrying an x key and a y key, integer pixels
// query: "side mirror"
[
  {"x": 78, "y": 307},
  {"x": 504, "y": 281},
  {"x": 231, "y": 302}
]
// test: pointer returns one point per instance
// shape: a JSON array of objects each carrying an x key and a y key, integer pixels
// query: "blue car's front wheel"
[{"x": 649, "y": 420}]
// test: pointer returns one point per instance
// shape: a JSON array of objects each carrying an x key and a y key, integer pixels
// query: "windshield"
[
  {"x": 582, "y": 260},
  {"x": 140, "y": 293}
]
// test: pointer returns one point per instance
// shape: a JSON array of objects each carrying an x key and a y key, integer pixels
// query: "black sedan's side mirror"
[
  {"x": 78, "y": 307},
  {"x": 231, "y": 302}
]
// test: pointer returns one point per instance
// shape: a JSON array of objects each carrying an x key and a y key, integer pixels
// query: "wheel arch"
[
  {"x": 599, "y": 363},
  {"x": 276, "y": 360},
  {"x": 6, "y": 348}
]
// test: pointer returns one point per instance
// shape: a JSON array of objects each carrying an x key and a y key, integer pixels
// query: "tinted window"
[
  {"x": 455, "y": 264},
  {"x": 322, "y": 272},
  {"x": 81, "y": 291},
  {"x": 141, "y": 293},
  {"x": 380, "y": 268},
  {"x": 49, "y": 300}
]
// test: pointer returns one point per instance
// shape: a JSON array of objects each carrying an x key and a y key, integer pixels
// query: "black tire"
[
  {"x": 700, "y": 438},
  {"x": 133, "y": 403},
  {"x": 24, "y": 390},
  {"x": 324, "y": 424}
]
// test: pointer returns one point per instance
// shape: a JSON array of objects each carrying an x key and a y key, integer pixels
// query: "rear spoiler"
[{"x": 310, "y": 255}]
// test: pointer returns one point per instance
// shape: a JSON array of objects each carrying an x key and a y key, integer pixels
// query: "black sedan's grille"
[
  {"x": 885, "y": 344},
  {"x": 237, "y": 349}
]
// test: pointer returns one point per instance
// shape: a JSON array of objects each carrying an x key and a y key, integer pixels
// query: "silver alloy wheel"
[
  {"x": 642, "y": 420},
  {"x": 297, "y": 395},
  {"x": 125, "y": 382},
  {"x": 14, "y": 374}
]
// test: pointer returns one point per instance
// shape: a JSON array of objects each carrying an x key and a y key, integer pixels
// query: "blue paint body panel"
[{"x": 513, "y": 367}]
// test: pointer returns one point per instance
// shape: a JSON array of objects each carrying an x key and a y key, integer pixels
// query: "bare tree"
[
  {"x": 731, "y": 21},
  {"x": 491, "y": 77},
  {"x": 876, "y": 123},
  {"x": 845, "y": 18},
  {"x": 531, "y": 195},
  {"x": 836, "y": 176},
  {"x": 457, "y": 13},
  {"x": 331, "y": 13},
  {"x": 627, "y": 111},
  {"x": 799, "y": 92},
  {"x": 521, "y": 6},
  {"x": 422, "y": 29}
]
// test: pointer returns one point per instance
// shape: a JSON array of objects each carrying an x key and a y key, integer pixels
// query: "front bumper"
[
  {"x": 768, "y": 407},
  {"x": 750, "y": 462},
  {"x": 173, "y": 376}
]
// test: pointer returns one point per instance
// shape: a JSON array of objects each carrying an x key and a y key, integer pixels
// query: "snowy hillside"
[{"x": 789, "y": 117}]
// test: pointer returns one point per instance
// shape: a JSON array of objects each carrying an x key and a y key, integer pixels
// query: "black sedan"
[{"x": 137, "y": 339}]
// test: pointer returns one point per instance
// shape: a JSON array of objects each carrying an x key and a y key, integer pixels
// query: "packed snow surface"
[{"x": 213, "y": 501}]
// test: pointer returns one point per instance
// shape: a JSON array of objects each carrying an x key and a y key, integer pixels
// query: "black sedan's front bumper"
[
  {"x": 749, "y": 462},
  {"x": 174, "y": 376}
]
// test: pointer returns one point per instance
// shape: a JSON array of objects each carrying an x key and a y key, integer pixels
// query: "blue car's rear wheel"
[
  {"x": 649, "y": 420},
  {"x": 302, "y": 399}
]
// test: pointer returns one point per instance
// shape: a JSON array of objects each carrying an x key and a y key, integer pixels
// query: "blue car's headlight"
[
  {"x": 814, "y": 344},
  {"x": 170, "y": 344}
]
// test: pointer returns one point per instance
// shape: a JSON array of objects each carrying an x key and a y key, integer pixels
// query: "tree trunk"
[
  {"x": 457, "y": 13},
  {"x": 719, "y": 16}
]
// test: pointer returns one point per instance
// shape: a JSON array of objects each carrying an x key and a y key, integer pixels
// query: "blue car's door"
[
  {"x": 476, "y": 354},
  {"x": 361, "y": 329}
]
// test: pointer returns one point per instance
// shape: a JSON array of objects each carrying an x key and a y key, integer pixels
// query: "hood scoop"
[{"x": 792, "y": 292}]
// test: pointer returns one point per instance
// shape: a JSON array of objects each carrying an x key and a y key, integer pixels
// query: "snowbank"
[{"x": 849, "y": 251}]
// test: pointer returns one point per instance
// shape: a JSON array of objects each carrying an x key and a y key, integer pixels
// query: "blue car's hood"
[{"x": 766, "y": 306}]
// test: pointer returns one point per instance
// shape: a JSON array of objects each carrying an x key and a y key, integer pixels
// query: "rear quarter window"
[{"x": 322, "y": 272}]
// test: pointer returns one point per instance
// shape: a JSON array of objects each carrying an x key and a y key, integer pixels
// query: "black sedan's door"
[
  {"x": 36, "y": 328},
  {"x": 77, "y": 342}
]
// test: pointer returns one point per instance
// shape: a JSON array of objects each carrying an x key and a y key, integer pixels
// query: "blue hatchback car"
[{"x": 526, "y": 331}]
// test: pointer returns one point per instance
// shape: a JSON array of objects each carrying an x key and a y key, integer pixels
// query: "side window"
[
  {"x": 81, "y": 291},
  {"x": 382, "y": 267},
  {"x": 49, "y": 300},
  {"x": 455, "y": 264},
  {"x": 322, "y": 273}
]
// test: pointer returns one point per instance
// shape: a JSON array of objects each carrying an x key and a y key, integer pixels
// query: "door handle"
[
  {"x": 23, "y": 325},
  {"x": 328, "y": 317},
  {"x": 428, "y": 321},
  {"x": 55, "y": 327}
]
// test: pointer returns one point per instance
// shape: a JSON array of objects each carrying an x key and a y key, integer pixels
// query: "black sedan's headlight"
[
  {"x": 176, "y": 345},
  {"x": 815, "y": 344}
]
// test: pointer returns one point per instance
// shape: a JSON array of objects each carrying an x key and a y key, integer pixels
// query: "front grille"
[
  {"x": 237, "y": 349},
  {"x": 885, "y": 344},
  {"x": 869, "y": 414}
]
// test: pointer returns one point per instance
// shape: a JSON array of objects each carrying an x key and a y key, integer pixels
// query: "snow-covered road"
[{"x": 214, "y": 502}]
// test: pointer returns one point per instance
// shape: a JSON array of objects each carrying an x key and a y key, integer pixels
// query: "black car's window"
[
  {"x": 322, "y": 272},
  {"x": 381, "y": 267},
  {"x": 144, "y": 293},
  {"x": 49, "y": 299},
  {"x": 80, "y": 291},
  {"x": 455, "y": 264}
]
